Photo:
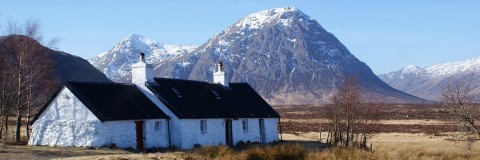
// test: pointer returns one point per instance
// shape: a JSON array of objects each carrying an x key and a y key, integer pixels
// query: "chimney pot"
[
  {"x": 142, "y": 57},
  {"x": 220, "y": 66}
]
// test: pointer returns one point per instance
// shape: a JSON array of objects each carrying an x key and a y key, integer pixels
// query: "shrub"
[
  {"x": 109, "y": 146},
  {"x": 197, "y": 146},
  {"x": 241, "y": 143},
  {"x": 156, "y": 149}
]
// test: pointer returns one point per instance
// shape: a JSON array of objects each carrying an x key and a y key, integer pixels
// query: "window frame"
[
  {"x": 203, "y": 127},
  {"x": 245, "y": 125},
  {"x": 157, "y": 126}
]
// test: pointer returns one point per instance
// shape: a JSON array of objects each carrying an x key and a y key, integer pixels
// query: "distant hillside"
[
  {"x": 72, "y": 68},
  {"x": 66, "y": 66}
]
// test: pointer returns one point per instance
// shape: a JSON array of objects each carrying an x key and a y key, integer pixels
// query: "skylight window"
[
  {"x": 177, "y": 93},
  {"x": 216, "y": 94}
]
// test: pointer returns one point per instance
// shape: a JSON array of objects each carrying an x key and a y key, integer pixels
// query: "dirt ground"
[{"x": 44, "y": 152}]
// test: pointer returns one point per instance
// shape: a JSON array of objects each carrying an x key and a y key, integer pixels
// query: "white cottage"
[
  {"x": 196, "y": 113},
  {"x": 97, "y": 114}
]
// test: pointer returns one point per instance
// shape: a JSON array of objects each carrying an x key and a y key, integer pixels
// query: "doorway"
[
  {"x": 262, "y": 131},
  {"x": 139, "y": 130},
  {"x": 228, "y": 132}
]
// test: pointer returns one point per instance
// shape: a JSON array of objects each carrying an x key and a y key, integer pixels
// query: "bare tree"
[
  {"x": 459, "y": 102},
  {"x": 6, "y": 90},
  {"x": 30, "y": 70},
  {"x": 350, "y": 117},
  {"x": 30, "y": 28}
]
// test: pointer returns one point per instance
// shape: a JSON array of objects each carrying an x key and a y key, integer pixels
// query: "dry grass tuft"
[
  {"x": 214, "y": 151},
  {"x": 342, "y": 153},
  {"x": 280, "y": 151},
  {"x": 256, "y": 152}
]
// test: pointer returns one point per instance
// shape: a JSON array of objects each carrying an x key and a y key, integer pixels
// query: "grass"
[
  {"x": 405, "y": 146},
  {"x": 254, "y": 152},
  {"x": 394, "y": 151}
]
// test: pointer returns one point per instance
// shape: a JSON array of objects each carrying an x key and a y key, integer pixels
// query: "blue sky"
[{"x": 386, "y": 35}]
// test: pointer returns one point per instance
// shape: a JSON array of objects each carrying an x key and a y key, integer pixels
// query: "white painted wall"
[
  {"x": 191, "y": 133},
  {"x": 65, "y": 122},
  {"x": 123, "y": 134},
  {"x": 271, "y": 129},
  {"x": 253, "y": 134},
  {"x": 120, "y": 133},
  {"x": 156, "y": 138}
]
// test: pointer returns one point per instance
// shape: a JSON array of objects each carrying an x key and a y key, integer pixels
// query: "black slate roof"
[
  {"x": 113, "y": 101},
  {"x": 194, "y": 99}
]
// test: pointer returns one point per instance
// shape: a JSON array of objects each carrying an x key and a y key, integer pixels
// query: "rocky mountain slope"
[
  {"x": 429, "y": 82},
  {"x": 286, "y": 56},
  {"x": 116, "y": 63}
]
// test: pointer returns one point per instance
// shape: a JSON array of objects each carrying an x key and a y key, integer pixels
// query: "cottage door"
[
  {"x": 262, "y": 131},
  {"x": 139, "y": 129},
  {"x": 228, "y": 132}
]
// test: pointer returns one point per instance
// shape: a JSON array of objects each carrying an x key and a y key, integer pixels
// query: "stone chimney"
[
  {"x": 142, "y": 72},
  {"x": 220, "y": 76}
]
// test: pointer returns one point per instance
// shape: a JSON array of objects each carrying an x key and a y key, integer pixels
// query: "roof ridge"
[{"x": 99, "y": 83}]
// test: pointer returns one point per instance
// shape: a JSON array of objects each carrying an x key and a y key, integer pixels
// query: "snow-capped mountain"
[
  {"x": 429, "y": 82},
  {"x": 116, "y": 63},
  {"x": 285, "y": 55}
]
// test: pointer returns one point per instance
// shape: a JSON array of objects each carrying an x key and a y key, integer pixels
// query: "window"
[
  {"x": 203, "y": 126},
  {"x": 245, "y": 125},
  {"x": 177, "y": 93},
  {"x": 158, "y": 125},
  {"x": 216, "y": 95}
]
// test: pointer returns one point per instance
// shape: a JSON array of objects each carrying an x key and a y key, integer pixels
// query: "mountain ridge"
[
  {"x": 287, "y": 56},
  {"x": 428, "y": 82}
]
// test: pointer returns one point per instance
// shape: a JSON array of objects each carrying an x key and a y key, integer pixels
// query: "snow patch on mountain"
[
  {"x": 280, "y": 16},
  {"x": 411, "y": 69},
  {"x": 429, "y": 82},
  {"x": 439, "y": 70},
  {"x": 116, "y": 63},
  {"x": 448, "y": 69}
]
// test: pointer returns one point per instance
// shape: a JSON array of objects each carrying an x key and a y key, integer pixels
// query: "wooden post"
[
  {"x": 371, "y": 147},
  {"x": 320, "y": 133},
  {"x": 328, "y": 137},
  {"x": 280, "y": 128}
]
